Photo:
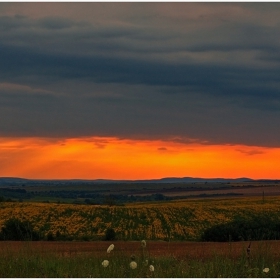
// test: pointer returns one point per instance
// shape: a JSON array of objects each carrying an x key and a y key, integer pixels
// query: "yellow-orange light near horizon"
[{"x": 113, "y": 158}]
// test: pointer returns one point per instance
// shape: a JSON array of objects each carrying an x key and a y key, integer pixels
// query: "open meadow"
[
  {"x": 73, "y": 239},
  {"x": 130, "y": 259}
]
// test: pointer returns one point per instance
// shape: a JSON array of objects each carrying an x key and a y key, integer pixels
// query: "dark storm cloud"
[
  {"x": 55, "y": 23},
  {"x": 210, "y": 79},
  {"x": 211, "y": 75}
]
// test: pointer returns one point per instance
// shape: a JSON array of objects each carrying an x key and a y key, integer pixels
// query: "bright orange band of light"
[{"x": 113, "y": 158}]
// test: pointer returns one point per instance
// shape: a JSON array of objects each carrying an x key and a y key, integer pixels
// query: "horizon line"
[{"x": 131, "y": 180}]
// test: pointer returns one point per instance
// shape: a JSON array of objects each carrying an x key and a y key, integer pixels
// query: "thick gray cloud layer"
[{"x": 205, "y": 71}]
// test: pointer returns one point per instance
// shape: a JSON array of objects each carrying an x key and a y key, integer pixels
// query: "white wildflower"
[
  {"x": 143, "y": 243},
  {"x": 151, "y": 268},
  {"x": 105, "y": 263},
  {"x": 266, "y": 270},
  {"x": 110, "y": 248},
  {"x": 133, "y": 265}
]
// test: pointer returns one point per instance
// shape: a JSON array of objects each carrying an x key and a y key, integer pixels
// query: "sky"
[{"x": 139, "y": 90}]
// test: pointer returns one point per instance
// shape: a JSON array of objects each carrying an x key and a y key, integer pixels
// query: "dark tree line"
[{"x": 245, "y": 229}]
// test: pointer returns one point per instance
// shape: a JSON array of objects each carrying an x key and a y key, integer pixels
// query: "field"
[
  {"x": 168, "y": 259},
  {"x": 183, "y": 220},
  {"x": 171, "y": 230},
  {"x": 178, "y": 249},
  {"x": 120, "y": 193}
]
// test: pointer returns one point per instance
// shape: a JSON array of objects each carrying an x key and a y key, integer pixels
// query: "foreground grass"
[{"x": 29, "y": 263}]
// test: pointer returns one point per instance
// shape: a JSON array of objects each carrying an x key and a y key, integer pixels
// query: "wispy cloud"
[{"x": 252, "y": 152}]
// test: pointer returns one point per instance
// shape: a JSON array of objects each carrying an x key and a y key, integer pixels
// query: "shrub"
[
  {"x": 15, "y": 229},
  {"x": 50, "y": 236},
  {"x": 110, "y": 234},
  {"x": 256, "y": 228}
]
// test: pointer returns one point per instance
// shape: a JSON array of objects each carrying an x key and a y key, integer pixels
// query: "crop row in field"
[{"x": 181, "y": 220}]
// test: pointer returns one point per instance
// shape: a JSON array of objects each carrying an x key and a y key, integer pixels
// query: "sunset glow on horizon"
[{"x": 114, "y": 158}]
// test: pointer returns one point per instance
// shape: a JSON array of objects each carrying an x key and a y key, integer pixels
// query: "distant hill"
[
  {"x": 4, "y": 180},
  {"x": 14, "y": 181},
  {"x": 195, "y": 180}
]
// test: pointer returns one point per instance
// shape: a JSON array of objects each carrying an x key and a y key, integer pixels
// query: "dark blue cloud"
[
  {"x": 209, "y": 79},
  {"x": 54, "y": 23},
  {"x": 217, "y": 82}
]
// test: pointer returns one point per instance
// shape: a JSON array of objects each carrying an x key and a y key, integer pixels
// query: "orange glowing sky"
[{"x": 113, "y": 158}]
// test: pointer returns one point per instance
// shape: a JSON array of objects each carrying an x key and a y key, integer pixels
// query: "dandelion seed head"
[
  {"x": 105, "y": 263},
  {"x": 146, "y": 262},
  {"x": 110, "y": 248},
  {"x": 266, "y": 270},
  {"x": 133, "y": 265},
  {"x": 143, "y": 243},
  {"x": 151, "y": 268}
]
